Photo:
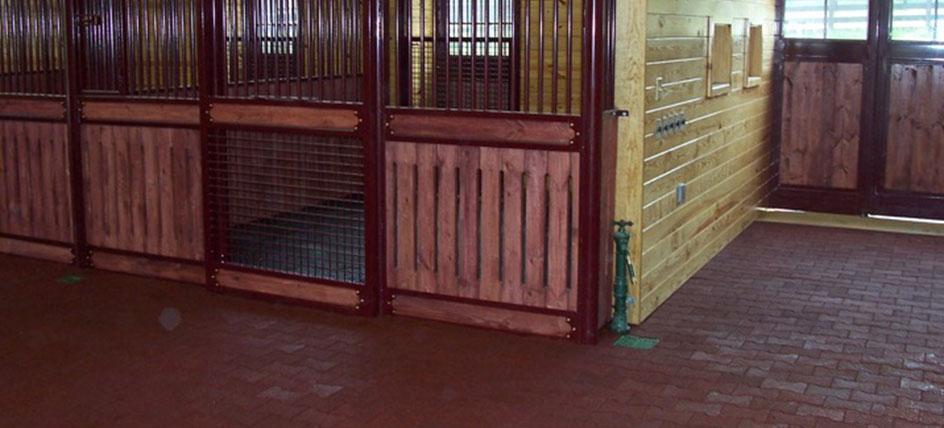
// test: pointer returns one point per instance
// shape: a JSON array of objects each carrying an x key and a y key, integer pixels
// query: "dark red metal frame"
[
  {"x": 597, "y": 97},
  {"x": 876, "y": 54}
]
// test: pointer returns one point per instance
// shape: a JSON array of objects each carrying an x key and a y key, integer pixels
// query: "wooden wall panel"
[
  {"x": 34, "y": 181},
  {"x": 915, "y": 155},
  {"x": 143, "y": 190},
  {"x": 822, "y": 104},
  {"x": 483, "y": 223},
  {"x": 723, "y": 154}
]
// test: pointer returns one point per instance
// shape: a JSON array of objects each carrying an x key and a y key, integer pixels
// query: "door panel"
[{"x": 915, "y": 151}]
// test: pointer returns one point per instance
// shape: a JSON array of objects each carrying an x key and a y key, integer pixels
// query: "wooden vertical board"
[
  {"x": 5, "y": 177},
  {"x": 558, "y": 169},
  {"x": 406, "y": 216},
  {"x": 136, "y": 187},
  {"x": 152, "y": 194},
  {"x": 468, "y": 236},
  {"x": 25, "y": 180},
  {"x": 426, "y": 206},
  {"x": 121, "y": 172},
  {"x": 575, "y": 230},
  {"x": 390, "y": 212},
  {"x": 446, "y": 231},
  {"x": 168, "y": 195},
  {"x": 195, "y": 178},
  {"x": 489, "y": 233},
  {"x": 90, "y": 167},
  {"x": 535, "y": 234},
  {"x": 513, "y": 268}
]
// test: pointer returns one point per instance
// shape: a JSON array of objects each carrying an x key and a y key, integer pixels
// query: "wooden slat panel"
[
  {"x": 497, "y": 318},
  {"x": 490, "y": 222},
  {"x": 143, "y": 190},
  {"x": 33, "y": 109},
  {"x": 513, "y": 168},
  {"x": 480, "y": 129},
  {"x": 302, "y": 290},
  {"x": 141, "y": 266},
  {"x": 916, "y": 129},
  {"x": 36, "y": 196},
  {"x": 821, "y": 119},
  {"x": 175, "y": 114},
  {"x": 446, "y": 157},
  {"x": 535, "y": 238},
  {"x": 290, "y": 117},
  {"x": 468, "y": 221},
  {"x": 495, "y": 225},
  {"x": 426, "y": 231}
]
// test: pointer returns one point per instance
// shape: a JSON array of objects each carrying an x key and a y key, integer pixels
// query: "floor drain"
[
  {"x": 636, "y": 342},
  {"x": 70, "y": 279}
]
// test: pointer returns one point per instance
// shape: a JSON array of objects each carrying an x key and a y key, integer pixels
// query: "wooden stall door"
[{"x": 912, "y": 168}]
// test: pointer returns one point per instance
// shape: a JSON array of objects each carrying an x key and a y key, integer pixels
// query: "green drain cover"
[
  {"x": 70, "y": 279},
  {"x": 636, "y": 342}
]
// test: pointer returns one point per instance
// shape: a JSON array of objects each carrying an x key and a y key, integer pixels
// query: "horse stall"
[{"x": 443, "y": 159}]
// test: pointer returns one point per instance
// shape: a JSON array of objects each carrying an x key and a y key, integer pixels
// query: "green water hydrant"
[{"x": 624, "y": 274}]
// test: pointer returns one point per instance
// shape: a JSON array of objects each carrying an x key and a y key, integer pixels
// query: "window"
[
  {"x": 719, "y": 60},
  {"x": 918, "y": 20},
  {"x": 278, "y": 27},
  {"x": 754, "y": 62},
  {"x": 826, "y": 19}
]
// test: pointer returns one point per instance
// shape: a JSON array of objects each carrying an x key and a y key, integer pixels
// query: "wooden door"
[{"x": 911, "y": 137}]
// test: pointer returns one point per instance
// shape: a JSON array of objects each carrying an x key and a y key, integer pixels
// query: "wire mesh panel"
[
  {"x": 299, "y": 49},
  {"x": 517, "y": 55},
  {"x": 32, "y": 41},
  {"x": 289, "y": 203},
  {"x": 140, "y": 48}
]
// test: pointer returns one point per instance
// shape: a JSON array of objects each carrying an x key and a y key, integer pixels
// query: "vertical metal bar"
[
  {"x": 555, "y": 69},
  {"x": 526, "y": 55},
  {"x": 570, "y": 57},
  {"x": 473, "y": 79},
  {"x": 80, "y": 250}
]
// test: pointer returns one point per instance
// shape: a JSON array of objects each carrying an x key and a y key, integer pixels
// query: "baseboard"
[{"x": 842, "y": 221}]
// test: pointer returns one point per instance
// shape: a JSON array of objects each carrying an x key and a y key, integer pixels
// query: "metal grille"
[
  {"x": 140, "y": 48},
  {"x": 297, "y": 49},
  {"x": 32, "y": 41},
  {"x": 289, "y": 203},
  {"x": 512, "y": 55}
]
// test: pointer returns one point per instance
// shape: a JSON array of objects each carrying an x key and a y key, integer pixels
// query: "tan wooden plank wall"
[
  {"x": 143, "y": 190},
  {"x": 822, "y": 105},
  {"x": 483, "y": 223},
  {"x": 723, "y": 155},
  {"x": 34, "y": 181}
]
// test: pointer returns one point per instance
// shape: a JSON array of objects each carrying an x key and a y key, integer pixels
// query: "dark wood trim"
[
  {"x": 81, "y": 254},
  {"x": 499, "y": 129},
  {"x": 299, "y": 289},
  {"x": 36, "y": 250},
  {"x": 149, "y": 266},
  {"x": 338, "y": 120},
  {"x": 482, "y": 316},
  {"x": 141, "y": 113},
  {"x": 32, "y": 108}
]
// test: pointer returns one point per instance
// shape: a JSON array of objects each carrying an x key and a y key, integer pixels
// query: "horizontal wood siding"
[
  {"x": 483, "y": 223},
  {"x": 143, "y": 190},
  {"x": 722, "y": 155},
  {"x": 822, "y": 108},
  {"x": 34, "y": 181},
  {"x": 915, "y": 159}
]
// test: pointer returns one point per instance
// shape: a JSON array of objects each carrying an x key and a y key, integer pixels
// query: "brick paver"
[{"x": 788, "y": 326}]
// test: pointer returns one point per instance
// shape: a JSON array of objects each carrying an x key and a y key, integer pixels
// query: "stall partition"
[{"x": 444, "y": 159}]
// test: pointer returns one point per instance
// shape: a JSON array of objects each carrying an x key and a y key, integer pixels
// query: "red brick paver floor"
[{"x": 789, "y": 326}]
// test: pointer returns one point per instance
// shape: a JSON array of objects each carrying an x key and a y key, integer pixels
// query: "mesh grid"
[{"x": 289, "y": 203}]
